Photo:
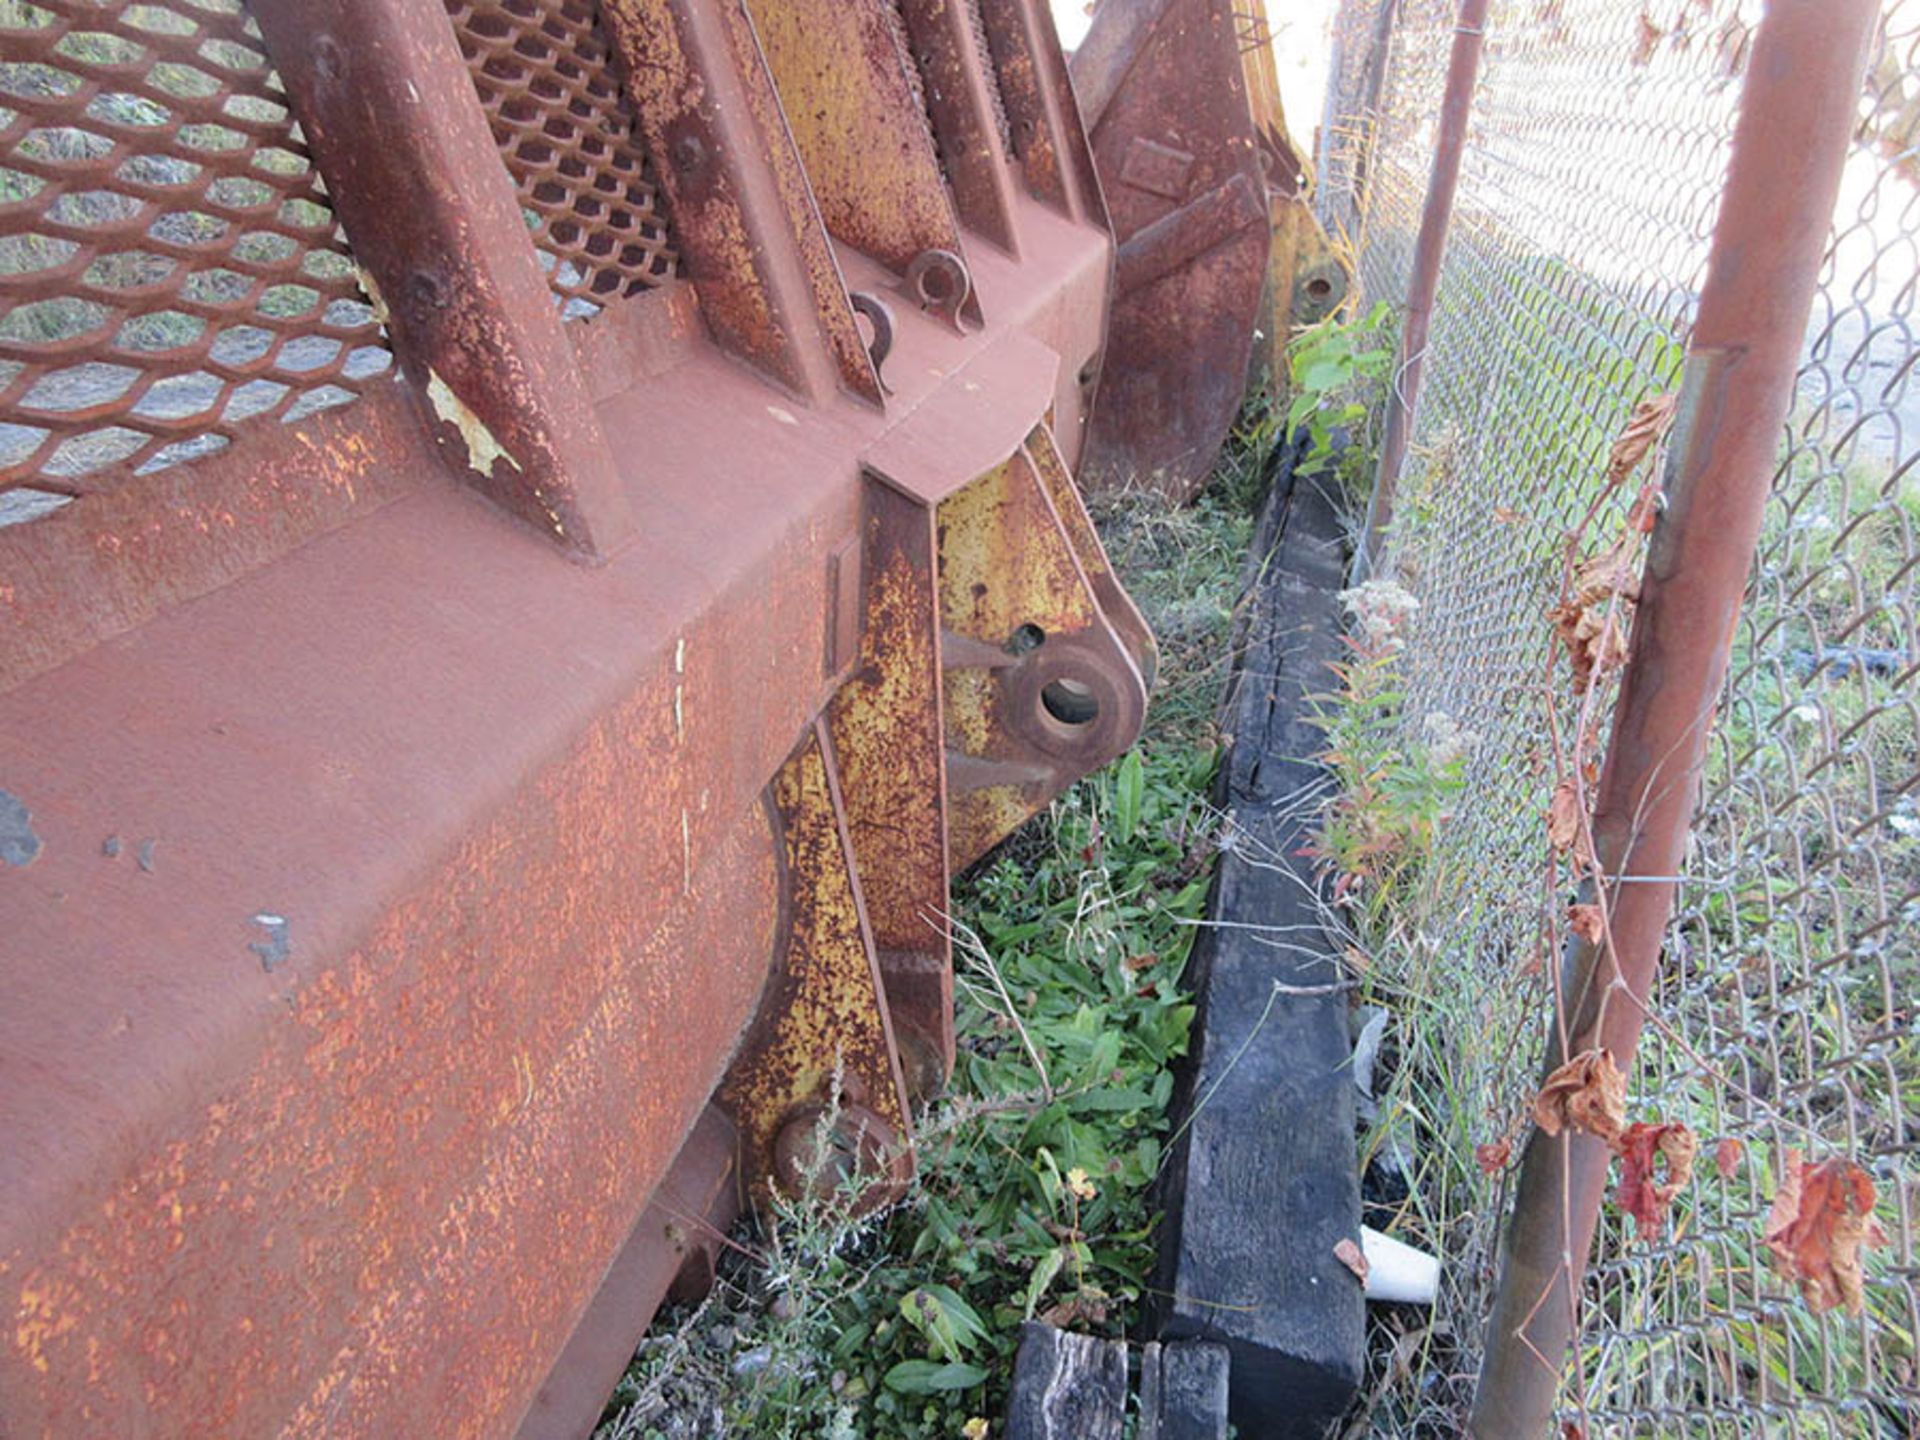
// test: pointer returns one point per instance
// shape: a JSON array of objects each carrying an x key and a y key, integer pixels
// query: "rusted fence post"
[
  {"x": 1796, "y": 115},
  {"x": 1430, "y": 250}
]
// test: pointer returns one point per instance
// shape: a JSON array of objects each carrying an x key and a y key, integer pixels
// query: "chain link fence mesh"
[{"x": 1789, "y": 993}]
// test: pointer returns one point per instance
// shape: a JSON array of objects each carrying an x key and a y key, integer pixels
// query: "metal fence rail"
[{"x": 1788, "y": 995}]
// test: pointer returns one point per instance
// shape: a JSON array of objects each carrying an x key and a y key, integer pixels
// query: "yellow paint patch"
[{"x": 483, "y": 451}]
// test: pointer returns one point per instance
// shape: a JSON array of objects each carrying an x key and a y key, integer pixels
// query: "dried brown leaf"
[
  {"x": 1646, "y": 41},
  {"x": 1592, "y": 623},
  {"x": 1822, "y": 1218},
  {"x": 1092, "y": 1309},
  {"x": 1646, "y": 428},
  {"x": 1642, "y": 1194},
  {"x": 1588, "y": 1093},
  {"x": 1587, "y": 922},
  {"x": 1353, "y": 1257},
  {"x": 1614, "y": 571},
  {"x": 1726, "y": 1157},
  {"x": 1563, "y": 816},
  {"x": 1492, "y": 1157}
]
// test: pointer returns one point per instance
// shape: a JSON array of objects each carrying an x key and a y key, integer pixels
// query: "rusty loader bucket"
[
  {"x": 1219, "y": 258},
  {"x": 535, "y": 535}
]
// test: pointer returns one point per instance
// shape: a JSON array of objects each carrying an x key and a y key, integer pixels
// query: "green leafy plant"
[
  {"x": 1034, "y": 1171},
  {"x": 1392, "y": 789},
  {"x": 1334, "y": 372}
]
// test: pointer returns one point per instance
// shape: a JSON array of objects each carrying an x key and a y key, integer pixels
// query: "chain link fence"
[{"x": 1788, "y": 1001}]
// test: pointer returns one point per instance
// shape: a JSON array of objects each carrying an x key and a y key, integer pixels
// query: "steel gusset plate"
[
  {"x": 886, "y": 732},
  {"x": 816, "y": 1090},
  {"x": 1043, "y": 684}
]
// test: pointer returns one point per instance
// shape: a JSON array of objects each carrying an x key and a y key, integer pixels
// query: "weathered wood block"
[
  {"x": 1067, "y": 1387},
  {"x": 1265, "y": 1181},
  {"x": 1183, "y": 1391}
]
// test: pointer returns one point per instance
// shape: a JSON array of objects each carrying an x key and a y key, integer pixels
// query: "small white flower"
[
  {"x": 1381, "y": 609},
  {"x": 1446, "y": 740}
]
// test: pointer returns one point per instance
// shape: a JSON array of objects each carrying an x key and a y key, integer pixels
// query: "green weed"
[{"x": 1335, "y": 370}]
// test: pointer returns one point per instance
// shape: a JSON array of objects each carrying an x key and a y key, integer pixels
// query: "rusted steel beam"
[
  {"x": 1796, "y": 117},
  {"x": 849, "y": 93},
  {"x": 1022, "y": 630},
  {"x": 671, "y": 1253},
  {"x": 750, "y": 235},
  {"x": 1048, "y": 138},
  {"x": 90, "y": 572},
  {"x": 395, "y": 128},
  {"x": 969, "y": 120},
  {"x": 885, "y": 728},
  {"x": 488, "y": 904}
]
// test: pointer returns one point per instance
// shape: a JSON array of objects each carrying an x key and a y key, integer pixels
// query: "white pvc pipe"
[{"x": 1396, "y": 1271}]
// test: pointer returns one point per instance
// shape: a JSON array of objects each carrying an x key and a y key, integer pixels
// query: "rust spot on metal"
[
  {"x": 964, "y": 107},
  {"x": 1023, "y": 627},
  {"x": 848, "y": 92}
]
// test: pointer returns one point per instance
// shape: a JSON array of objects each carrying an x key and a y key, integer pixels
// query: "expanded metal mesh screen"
[
  {"x": 544, "y": 73},
  {"x": 1788, "y": 1002},
  {"x": 169, "y": 266}
]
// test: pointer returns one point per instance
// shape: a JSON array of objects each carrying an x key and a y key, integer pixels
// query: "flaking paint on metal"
[
  {"x": 484, "y": 452},
  {"x": 861, "y": 134},
  {"x": 825, "y": 1012},
  {"x": 505, "y": 1061},
  {"x": 19, "y": 845},
  {"x": 831, "y": 305}
]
